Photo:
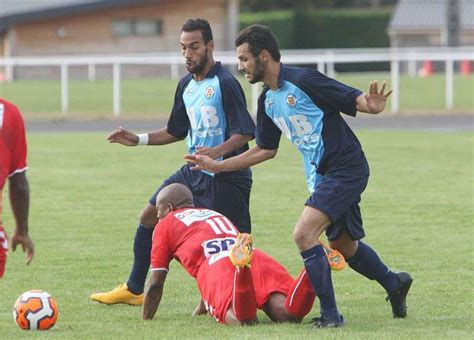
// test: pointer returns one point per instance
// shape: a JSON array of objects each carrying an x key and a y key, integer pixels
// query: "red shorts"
[
  {"x": 3, "y": 250},
  {"x": 216, "y": 279}
]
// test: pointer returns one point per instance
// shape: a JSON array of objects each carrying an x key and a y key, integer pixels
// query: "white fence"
[{"x": 324, "y": 59}]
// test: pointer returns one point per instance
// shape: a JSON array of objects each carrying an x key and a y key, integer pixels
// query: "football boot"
[{"x": 119, "y": 294}]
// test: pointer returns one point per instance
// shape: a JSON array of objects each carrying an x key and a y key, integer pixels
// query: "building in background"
[
  {"x": 424, "y": 23},
  {"x": 75, "y": 27}
]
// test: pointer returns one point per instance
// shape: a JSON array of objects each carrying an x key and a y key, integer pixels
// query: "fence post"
[
  {"x": 64, "y": 88},
  {"x": 330, "y": 64},
  {"x": 116, "y": 89},
  {"x": 255, "y": 94},
  {"x": 91, "y": 72},
  {"x": 395, "y": 79},
  {"x": 412, "y": 66},
  {"x": 449, "y": 83},
  {"x": 321, "y": 66},
  {"x": 9, "y": 72},
  {"x": 174, "y": 71}
]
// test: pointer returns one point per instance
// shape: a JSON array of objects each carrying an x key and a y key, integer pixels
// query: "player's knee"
[
  {"x": 231, "y": 320},
  {"x": 305, "y": 238},
  {"x": 299, "y": 237},
  {"x": 276, "y": 310},
  {"x": 281, "y": 314}
]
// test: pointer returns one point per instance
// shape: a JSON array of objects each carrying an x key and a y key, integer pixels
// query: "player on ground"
[
  {"x": 210, "y": 111},
  {"x": 234, "y": 279},
  {"x": 13, "y": 167},
  {"x": 305, "y": 105}
]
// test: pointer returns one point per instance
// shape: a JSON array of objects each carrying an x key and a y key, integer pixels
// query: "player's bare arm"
[
  {"x": 233, "y": 143},
  {"x": 19, "y": 198},
  {"x": 129, "y": 138},
  {"x": 251, "y": 157},
  {"x": 153, "y": 294},
  {"x": 374, "y": 101}
]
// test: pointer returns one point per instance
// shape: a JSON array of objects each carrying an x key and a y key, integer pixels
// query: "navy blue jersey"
[
  {"x": 209, "y": 111},
  {"x": 306, "y": 108}
]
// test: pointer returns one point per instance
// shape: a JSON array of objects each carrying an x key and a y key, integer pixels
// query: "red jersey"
[
  {"x": 12, "y": 144},
  {"x": 190, "y": 236}
]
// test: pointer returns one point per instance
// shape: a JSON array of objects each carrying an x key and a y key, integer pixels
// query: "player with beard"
[
  {"x": 306, "y": 106},
  {"x": 210, "y": 112}
]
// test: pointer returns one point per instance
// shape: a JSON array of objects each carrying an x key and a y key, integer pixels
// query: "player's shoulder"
[
  {"x": 300, "y": 75},
  {"x": 189, "y": 216},
  {"x": 9, "y": 114},
  {"x": 8, "y": 106},
  {"x": 224, "y": 75},
  {"x": 185, "y": 81}
]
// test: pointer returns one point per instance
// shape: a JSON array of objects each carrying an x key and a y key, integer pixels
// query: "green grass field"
[
  {"x": 147, "y": 98},
  {"x": 87, "y": 195}
]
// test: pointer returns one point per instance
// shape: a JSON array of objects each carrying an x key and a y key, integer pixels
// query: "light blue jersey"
[
  {"x": 204, "y": 107},
  {"x": 306, "y": 109},
  {"x": 210, "y": 111},
  {"x": 300, "y": 120}
]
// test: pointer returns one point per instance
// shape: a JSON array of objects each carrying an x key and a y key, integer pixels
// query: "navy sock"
[
  {"x": 366, "y": 262},
  {"x": 319, "y": 273},
  {"x": 141, "y": 260}
]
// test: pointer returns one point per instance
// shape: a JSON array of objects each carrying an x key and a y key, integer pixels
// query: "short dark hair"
[
  {"x": 199, "y": 25},
  {"x": 259, "y": 38}
]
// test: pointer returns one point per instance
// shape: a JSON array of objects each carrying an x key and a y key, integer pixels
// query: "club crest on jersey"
[
  {"x": 291, "y": 100},
  {"x": 209, "y": 92}
]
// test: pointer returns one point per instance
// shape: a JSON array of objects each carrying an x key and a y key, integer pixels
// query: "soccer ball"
[{"x": 35, "y": 310}]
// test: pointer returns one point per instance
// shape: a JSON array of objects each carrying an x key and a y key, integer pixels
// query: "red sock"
[
  {"x": 300, "y": 298},
  {"x": 244, "y": 300}
]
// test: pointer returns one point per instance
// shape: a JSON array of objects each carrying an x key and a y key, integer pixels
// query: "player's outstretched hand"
[
  {"x": 376, "y": 99},
  {"x": 26, "y": 245},
  {"x": 206, "y": 151},
  {"x": 123, "y": 136},
  {"x": 202, "y": 162}
]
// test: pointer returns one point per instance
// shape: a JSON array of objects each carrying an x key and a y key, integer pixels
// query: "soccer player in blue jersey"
[
  {"x": 210, "y": 112},
  {"x": 305, "y": 105}
]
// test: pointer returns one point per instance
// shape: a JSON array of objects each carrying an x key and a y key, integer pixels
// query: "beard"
[
  {"x": 197, "y": 68},
  {"x": 257, "y": 73}
]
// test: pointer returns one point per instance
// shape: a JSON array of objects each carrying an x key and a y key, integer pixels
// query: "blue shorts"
[
  {"x": 227, "y": 193},
  {"x": 337, "y": 194}
]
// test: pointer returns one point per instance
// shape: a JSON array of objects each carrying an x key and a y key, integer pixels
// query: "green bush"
[
  {"x": 335, "y": 28},
  {"x": 282, "y": 24},
  {"x": 342, "y": 28}
]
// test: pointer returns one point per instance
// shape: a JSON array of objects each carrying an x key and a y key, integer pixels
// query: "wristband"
[{"x": 143, "y": 139}]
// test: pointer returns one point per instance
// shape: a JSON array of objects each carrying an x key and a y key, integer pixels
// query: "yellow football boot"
[
  {"x": 240, "y": 253},
  {"x": 119, "y": 294}
]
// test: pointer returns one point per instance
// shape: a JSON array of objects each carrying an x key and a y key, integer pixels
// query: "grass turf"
[{"x": 87, "y": 195}]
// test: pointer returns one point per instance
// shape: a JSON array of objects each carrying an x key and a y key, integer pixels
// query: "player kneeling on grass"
[{"x": 234, "y": 279}]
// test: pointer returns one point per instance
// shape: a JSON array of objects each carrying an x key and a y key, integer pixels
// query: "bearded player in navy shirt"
[
  {"x": 305, "y": 105},
  {"x": 210, "y": 112}
]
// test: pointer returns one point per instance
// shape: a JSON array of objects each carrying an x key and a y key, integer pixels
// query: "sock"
[
  {"x": 366, "y": 262},
  {"x": 244, "y": 300},
  {"x": 300, "y": 298},
  {"x": 319, "y": 273},
  {"x": 141, "y": 260},
  {"x": 3, "y": 248}
]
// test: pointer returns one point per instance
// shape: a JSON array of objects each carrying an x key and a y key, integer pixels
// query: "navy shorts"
[
  {"x": 227, "y": 193},
  {"x": 337, "y": 194}
]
